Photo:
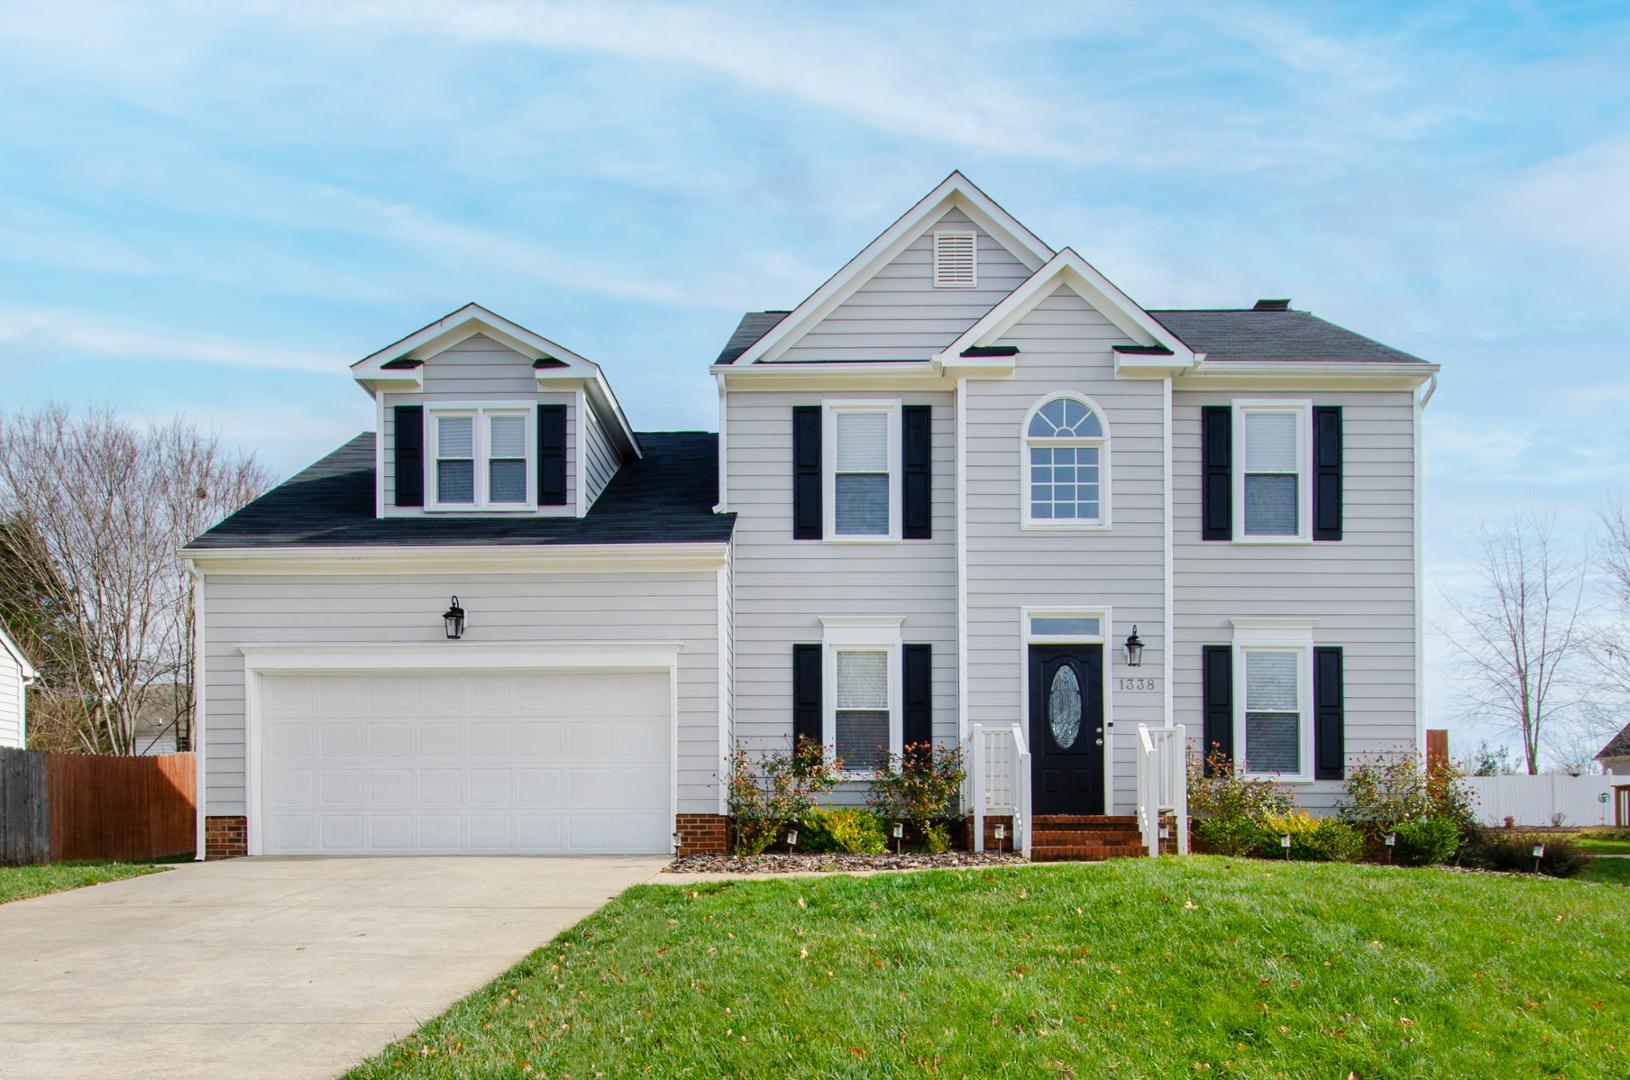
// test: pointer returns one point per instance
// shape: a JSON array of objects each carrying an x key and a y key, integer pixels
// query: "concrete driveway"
[{"x": 272, "y": 967}]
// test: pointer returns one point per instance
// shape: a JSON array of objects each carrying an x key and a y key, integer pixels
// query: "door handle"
[{"x": 1100, "y": 742}]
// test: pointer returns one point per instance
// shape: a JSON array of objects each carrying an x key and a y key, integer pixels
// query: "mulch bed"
[{"x": 804, "y": 864}]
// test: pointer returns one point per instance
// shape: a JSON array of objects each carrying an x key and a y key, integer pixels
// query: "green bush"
[
  {"x": 1228, "y": 836},
  {"x": 1426, "y": 841},
  {"x": 1216, "y": 791},
  {"x": 1513, "y": 851},
  {"x": 922, "y": 787},
  {"x": 1311, "y": 839},
  {"x": 769, "y": 791},
  {"x": 1389, "y": 789},
  {"x": 848, "y": 830}
]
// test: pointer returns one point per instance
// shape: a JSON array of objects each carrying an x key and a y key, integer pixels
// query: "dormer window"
[{"x": 481, "y": 458}]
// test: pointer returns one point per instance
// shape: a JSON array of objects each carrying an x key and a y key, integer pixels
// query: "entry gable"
[
  {"x": 892, "y": 280},
  {"x": 1153, "y": 349}
]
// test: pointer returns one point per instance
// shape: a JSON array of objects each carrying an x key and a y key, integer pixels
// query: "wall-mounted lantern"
[
  {"x": 453, "y": 617},
  {"x": 1134, "y": 649}
]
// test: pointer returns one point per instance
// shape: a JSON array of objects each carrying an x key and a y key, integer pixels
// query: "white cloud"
[{"x": 43, "y": 331}]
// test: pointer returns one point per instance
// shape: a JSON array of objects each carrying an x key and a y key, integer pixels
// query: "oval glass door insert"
[{"x": 1064, "y": 707}]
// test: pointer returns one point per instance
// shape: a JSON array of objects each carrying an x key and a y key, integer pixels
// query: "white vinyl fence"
[{"x": 1536, "y": 800}]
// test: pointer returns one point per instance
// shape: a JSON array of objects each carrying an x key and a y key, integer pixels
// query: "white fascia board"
[
  {"x": 815, "y": 375},
  {"x": 955, "y": 191},
  {"x": 463, "y": 655},
  {"x": 10, "y": 646},
  {"x": 1068, "y": 268},
  {"x": 462, "y": 559},
  {"x": 1290, "y": 374}
]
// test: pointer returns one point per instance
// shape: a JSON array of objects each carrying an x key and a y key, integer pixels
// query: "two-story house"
[{"x": 967, "y": 490}]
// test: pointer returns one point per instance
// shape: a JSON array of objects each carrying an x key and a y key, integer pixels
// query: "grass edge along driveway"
[
  {"x": 1135, "y": 967},
  {"x": 22, "y": 882}
]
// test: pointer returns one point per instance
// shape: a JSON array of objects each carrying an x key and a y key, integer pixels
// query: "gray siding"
[
  {"x": 11, "y": 701},
  {"x": 677, "y": 607},
  {"x": 783, "y": 586},
  {"x": 476, "y": 370},
  {"x": 899, "y": 314},
  {"x": 600, "y": 457},
  {"x": 1361, "y": 589},
  {"x": 1064, "y": 346}
]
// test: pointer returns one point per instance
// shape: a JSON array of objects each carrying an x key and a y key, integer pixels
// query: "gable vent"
[{"x": 955, "y": 265}]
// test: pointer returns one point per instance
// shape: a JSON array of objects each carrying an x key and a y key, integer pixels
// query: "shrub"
[
  {"x": 1388, "y": 790},
  {"x": 1514, "y": 852},
  {"x": 1426, "y": 841},
  {"x": 1311, "y": 839},
  {"x": 1228, "y": 836},
  {"x": 850, "y": 830},
  {"x": 922, "y": 787},
  {"x": 776, "y": 790},
  {"x": 1225, "y": 795}
]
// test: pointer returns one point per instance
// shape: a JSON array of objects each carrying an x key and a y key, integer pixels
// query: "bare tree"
[
  {"x": 1518, "y": 631},
  {"x": 1610, "y": 645},
  {"x": 97, "y": 510}
]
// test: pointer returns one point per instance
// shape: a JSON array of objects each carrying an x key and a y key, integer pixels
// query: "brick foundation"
[
  {"x": 226, "y": 837},
  {"x": 991, "y": 821},
  {"x": 702, "y": 834}
]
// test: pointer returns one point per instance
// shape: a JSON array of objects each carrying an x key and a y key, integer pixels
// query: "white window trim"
[
  {"x": 1276, "y": 635},
  {"x": 973, "y": 236},
  {"x": 829, "y": 468},
  {"x": 1106, "y": 624},
  {"x": 1304, "y": 467},
  {"x": 480, "y": 445},
  {"x": 861, "y": 633},
  {"x": 1026, "y": 522}
]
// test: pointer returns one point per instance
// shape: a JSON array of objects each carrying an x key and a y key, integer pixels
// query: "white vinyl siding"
[
  {"x": 11, "y": 701},
  {"x": 1361, "y": 593},
  {"x": 601, "y": 459},
  {"x": 680, "y": 607},
  {"x": 899, "y": 314}
]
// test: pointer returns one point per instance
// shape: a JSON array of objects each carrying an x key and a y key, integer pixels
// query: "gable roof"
[
  {"x": 956, "y": 191},
  {"x": 753, "y": 325},
  {"x": 666, "y": 497},
  {"x": 9, "y": 646},
  {"x": 1068, "y": 269},
  {"x": 403, "y": 359},
  {"x": 1275, "y": 335},
  {"x": 1617, "y": 746}
]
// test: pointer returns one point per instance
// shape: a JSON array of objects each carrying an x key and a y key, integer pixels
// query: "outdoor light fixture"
[
  {"x": 1390, "y": 839},
  {"x": 899, "y": 837},
  {"x": 454, "y": 618},
  {"x": 792, "y": 838},
  {"x": 1284, "y": 842},
  {"x": 1539, "y": 853},
  {"x": 1134, "y": 649},
  {"x": 899, "y": 830}
]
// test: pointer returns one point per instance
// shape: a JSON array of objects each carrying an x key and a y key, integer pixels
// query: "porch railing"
[
  {"x": 1000, "y": 781},
  {"x": 1162, "y": 761}
]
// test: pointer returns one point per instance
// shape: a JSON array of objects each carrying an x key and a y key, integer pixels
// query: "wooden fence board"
[
  {"x": 24, "y": 828},
  {"x": 121, "y": 807}
]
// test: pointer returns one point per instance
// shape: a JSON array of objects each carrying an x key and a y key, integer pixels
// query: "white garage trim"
[{"x": 599, "y": 657}]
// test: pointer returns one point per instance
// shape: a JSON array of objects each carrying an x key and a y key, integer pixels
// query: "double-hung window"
[
  {"x": 1273, "y": 708},
  {"x": 863, "y": 720},
  {"x": 481, "y": 458},
  {"x": 862, "y": 497},
  {"x": 1273, "y": 495}
]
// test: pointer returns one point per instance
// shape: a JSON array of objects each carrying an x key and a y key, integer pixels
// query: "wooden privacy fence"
[{"x": 55, "y": 807}]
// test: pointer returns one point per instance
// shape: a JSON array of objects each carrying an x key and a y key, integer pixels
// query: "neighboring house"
[
  {"x": 1615, "y": 756},
  {"x": 16, "y": 673},
  {"x": 946, "y": 489}
]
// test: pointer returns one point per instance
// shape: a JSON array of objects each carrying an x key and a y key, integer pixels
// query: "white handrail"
[
  {"x": 1162, "y": 777},
  {"x": 1000, "y": 779}
]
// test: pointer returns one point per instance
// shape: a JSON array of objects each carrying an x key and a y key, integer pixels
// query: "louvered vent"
[{"x": 954, "y": 260}]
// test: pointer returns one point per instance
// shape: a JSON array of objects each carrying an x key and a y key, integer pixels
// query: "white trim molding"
[
  {"x": 460, "y": 559},
  {"x": 1106, "y": 628}
]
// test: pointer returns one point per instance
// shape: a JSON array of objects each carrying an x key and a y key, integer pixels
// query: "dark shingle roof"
[
  {"x": 1618, "y": 745},
  {"x": 753, "y": 325},
  {"x": 663, "y": 498},
  {"x": 1269, "y": 335}
]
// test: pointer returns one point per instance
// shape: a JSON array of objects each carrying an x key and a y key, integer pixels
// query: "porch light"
[
  {"x": 1134, "y": 649},
  {"x": 454, "y": 618}
]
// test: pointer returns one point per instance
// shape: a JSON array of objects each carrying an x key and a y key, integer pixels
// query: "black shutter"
[
  {"x": 1329, "y": 734},
  {"x": 806, "y": 692},
  {"x": 551, "y": 455},
  {"x": 1218, "y": 701},
  {"x": 1216, "y": 472},
  {"x": 917, "y": 446},
  {"x": 1327, "y": 472},
  {"x": 806, "y": 472},
  {"x": 409, "y": 427},
  {"x": 918, "y": 678}
]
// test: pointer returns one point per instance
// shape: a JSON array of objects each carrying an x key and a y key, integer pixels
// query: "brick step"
[
  {"x": 1056, "y": 837},
  {"x": 1084, "y": 826},
  {"x": 1083, "y": 853},
  {"x": 1075, "y": 819}
]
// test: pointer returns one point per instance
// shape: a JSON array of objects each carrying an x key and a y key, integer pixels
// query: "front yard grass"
[
  {"x": 1610, "y": 871},
  {"x": 21, "y": 882},
  {"x": 1601, "y": 845},
  {"x": 1137, "y": 967}
]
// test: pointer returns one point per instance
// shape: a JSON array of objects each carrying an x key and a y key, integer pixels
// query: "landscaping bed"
[{"x": 824, "y": 863}]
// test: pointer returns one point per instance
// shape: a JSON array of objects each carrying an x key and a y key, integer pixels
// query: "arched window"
[{"x": 1066, "y": 463}]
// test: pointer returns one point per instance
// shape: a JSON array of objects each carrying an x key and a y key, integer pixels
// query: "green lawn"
[
  {"x": 1614, "y": 871},
  {"x": 1602, "y": 845},
  {"x": 1135, "y": 968},
  {"x": 21, "y": 882}
]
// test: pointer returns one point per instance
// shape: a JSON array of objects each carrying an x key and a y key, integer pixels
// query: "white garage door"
[{"x": 449, "y": 762}]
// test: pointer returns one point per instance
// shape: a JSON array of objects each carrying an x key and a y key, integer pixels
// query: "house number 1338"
[{"x": 1136, "y": 684}]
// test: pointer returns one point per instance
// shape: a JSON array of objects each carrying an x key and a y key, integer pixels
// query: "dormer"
[{"x": 479, "y": 416}]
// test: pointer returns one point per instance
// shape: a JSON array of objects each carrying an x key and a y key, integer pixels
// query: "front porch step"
[
  {"x": 1084, "y": 837},
  {"x": 1086, "y": 852},
  {"x": 1128, "y": 821}
]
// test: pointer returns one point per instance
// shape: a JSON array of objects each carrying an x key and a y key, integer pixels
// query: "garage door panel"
[{"x": 481, "y": 762}]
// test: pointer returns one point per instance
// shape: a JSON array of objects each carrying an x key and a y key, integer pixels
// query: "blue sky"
[{"x": 212, "y": 212}]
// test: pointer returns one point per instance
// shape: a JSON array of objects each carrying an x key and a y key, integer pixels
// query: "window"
[
  {"x": 1066, "y": 454},
  {"x": 1273, "y": 715},
  {"x": 1273, "y": 445},
  {"x": 482, "y": 458},
  {"x": 862, "y": 696},
  {"x": 862, "y": 488},
  {"x": 956, "y": 259}
]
